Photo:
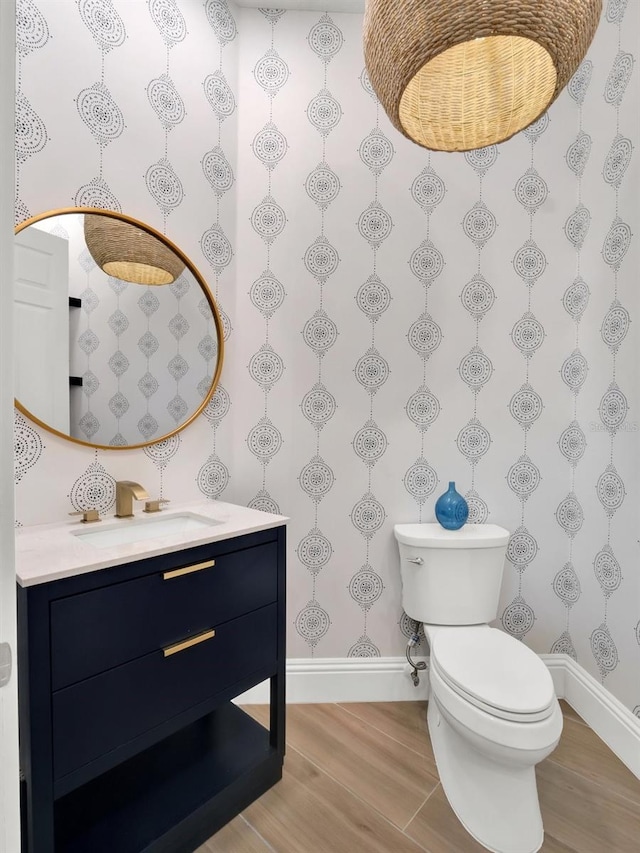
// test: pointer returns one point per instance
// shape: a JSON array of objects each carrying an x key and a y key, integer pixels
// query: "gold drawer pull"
[
  {"x": 186, "y": 644},
  {"x": 197, "y": 567}
]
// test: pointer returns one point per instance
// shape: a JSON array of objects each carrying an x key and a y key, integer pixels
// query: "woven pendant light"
[
  {"x": 454, "y": 75},
  {"x": 129, "y": 253}
]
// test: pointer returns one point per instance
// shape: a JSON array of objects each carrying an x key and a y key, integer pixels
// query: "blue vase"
[{"x": 452, "y": 510}]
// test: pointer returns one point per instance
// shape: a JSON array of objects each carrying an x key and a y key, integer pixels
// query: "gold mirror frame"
[{"x": 205, "y": 289}]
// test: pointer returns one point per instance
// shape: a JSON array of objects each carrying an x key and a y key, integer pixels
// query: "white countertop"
[{"x": 48, "y": 552}]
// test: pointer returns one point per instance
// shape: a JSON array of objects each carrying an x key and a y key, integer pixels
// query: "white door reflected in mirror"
[{"x": 41, "y": 316}]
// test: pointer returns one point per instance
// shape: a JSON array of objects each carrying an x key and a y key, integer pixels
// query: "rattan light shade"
[
  {"x": 454, "y": 75},
  {"x": 127, "y": 252}
]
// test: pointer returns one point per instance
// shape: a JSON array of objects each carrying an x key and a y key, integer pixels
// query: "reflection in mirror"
[
  {"x": 124, "y": 251},
  {"x": 101, "y": 360}
]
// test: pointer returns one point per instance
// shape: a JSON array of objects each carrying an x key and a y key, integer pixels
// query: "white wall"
[
  {"x": 348, "y": 417},
  {"x": 492, "y": 358},
  {"x": 9, "y": 761},
  {"x": 136, "y": 100}
]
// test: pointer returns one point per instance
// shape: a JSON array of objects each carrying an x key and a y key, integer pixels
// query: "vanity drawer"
[
  {"x": 97, "y": 715},
  {"x": 94, "y": 631}
]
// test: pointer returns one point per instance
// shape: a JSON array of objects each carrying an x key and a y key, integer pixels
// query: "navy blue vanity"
[{"x": 129, "y": 738}]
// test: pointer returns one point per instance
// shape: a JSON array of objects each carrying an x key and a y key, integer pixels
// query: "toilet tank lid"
[{"x": 433, "y": 535}]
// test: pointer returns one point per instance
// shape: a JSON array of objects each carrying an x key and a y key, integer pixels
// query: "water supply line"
[{"x": 415, "y": 665}]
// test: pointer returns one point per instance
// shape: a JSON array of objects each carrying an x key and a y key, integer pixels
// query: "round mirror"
[{"x": 118, "y": 341}]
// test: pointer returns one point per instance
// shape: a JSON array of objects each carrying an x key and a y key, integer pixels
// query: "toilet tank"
[{"x": 451, "y": 577}]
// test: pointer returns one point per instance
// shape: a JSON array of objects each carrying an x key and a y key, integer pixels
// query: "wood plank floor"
[{"x": 361, "y": 778}]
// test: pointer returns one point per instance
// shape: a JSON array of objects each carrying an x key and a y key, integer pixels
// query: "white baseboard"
[
  {"x": 344, "y": 680},
  {"x": 615, "y": 724},
  {"x": 388, "y": 680},
  {"x": 556, "y": 664}
]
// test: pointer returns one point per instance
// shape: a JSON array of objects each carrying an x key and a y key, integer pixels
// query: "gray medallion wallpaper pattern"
[
  {"x": 268, "y": 221},
  {"x": 610, "y": 486},
  {"x": 526, "y": 404},
  {"x": 213, "y": 476},
  {"x": 100, "y": 113},
  {"x": 394, "y": 319},
  {"x": 320, "y": 332},
  {"x": 371, "y": 371},
  {"x": 128, "y": 144},
  {"x": 572, "y": 441}
]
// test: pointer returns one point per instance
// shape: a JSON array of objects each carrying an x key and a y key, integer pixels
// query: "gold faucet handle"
[
  {"x": 88, "y": 515},
  {"x": 154, "y": 506}
]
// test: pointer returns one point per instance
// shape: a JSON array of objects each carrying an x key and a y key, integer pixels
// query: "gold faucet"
[
  {"x": 88, "y": 515},
  {"x": 126, "y": 491},
  {"x": 155, "y": 506}
]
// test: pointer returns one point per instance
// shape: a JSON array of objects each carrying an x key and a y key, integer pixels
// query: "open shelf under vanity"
[{"x": 199, "y": 775}]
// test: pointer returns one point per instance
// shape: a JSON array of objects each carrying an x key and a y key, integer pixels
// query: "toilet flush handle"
[{"x": 417, "y": 560}]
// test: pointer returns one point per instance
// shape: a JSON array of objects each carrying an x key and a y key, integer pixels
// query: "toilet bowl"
[
  {"x": 488, "y": 734},
  {"x": 493, "y": 714}
]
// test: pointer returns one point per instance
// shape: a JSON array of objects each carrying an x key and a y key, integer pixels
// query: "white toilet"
[{"x": 493, "y": 713}]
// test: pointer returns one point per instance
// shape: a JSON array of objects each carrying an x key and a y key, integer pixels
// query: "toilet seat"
[{"x": 494, "y": 672}]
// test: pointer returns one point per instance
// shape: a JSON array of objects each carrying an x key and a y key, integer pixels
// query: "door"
[
  {"x": 9, "y": 785},
  {"x": 41, "y": 326}
]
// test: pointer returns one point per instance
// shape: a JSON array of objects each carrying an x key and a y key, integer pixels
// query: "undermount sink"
[{"x": 126, "y": 531}]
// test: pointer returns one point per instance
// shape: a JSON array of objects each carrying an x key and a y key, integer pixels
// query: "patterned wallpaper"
[
  {"x": 139, "y": 108},
  {"x": 397, "y": 319},
  {"x": 434, "y": 317}
]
